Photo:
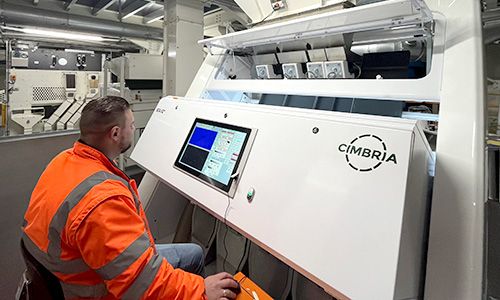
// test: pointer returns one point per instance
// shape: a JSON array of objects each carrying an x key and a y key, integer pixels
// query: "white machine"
[
  {"x": 68, "y": 91},
  {"x": 320, "y": 182},
  {"x": 307, "y": 168},
  {"x": 49, "y": 88},
  {"x": 140, "y": 82}
]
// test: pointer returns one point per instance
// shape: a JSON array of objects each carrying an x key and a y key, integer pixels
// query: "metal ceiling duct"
[{"x": 12, "y": 14}]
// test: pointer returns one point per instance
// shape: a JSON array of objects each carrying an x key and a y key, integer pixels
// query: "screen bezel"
[{"x": 204, "y": 178}]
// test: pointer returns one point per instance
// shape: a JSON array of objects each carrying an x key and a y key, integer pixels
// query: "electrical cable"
[
  {"x": 420, "y": 108},
  {"x": 430, "y": 131},
  {"x": 421, "y": 52},
  {"x": 211, "y": 235},
  {"x": 313, "y": 75},
  {"x": 225, "y": 234},
  {"x": 359, "y": 69},
  {"x": 224, "y": 240},
  {"x": 243, "y": 256},
  {"x": 331, "y": 77},
  {"x": 286, "y": 283},
  {"x": 265, "y": 18}
]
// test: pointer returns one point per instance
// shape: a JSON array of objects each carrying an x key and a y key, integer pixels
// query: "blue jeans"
[{"x": 188, "y": 257}]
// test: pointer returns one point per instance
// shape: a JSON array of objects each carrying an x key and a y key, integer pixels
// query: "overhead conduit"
[{"x": 12, "y": 14}]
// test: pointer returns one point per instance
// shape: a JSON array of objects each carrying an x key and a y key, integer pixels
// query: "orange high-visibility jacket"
[{"x": 86, "y": 225}]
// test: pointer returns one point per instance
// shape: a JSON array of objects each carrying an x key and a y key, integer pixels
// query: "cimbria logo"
[{"x": 367, "y": 152}]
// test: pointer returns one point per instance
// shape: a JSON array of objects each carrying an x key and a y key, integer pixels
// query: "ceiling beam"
[
  {"x": 102, "y": 5},
  {"x": 134, "y": 7},
  {"x": 153, "y": 16},
  {"x": 68, "y": 4}
]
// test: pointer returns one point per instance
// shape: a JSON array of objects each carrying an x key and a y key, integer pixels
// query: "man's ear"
[{"x": 114, "y": 133}]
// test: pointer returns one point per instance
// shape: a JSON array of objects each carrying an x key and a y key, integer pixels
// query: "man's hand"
[{"x": 220, "y": 286}]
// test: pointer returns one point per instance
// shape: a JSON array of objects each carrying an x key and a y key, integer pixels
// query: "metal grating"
[{"x": 49, "y": 94}]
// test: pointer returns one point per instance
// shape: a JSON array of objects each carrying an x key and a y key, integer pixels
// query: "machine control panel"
[
  {"x": 215, "y": 153},
  {"x": 50, "y": 59}
]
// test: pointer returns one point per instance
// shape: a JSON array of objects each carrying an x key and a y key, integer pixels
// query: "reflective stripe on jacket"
[{"x": 86, "y": 225}]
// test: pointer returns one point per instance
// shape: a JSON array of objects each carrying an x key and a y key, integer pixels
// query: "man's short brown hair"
[{"x": 101, "y": 114}]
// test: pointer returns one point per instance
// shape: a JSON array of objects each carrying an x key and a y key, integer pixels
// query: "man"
[{"x": 87, "y": 226}]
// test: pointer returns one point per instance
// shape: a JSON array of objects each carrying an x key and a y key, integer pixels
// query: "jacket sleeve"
[{"x": 114, "y": 242}]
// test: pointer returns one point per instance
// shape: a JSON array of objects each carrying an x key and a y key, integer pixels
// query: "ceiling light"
[
  {"x": 155, "y": 19},
  {"x": 79, "y": 51},
  {"x": 57, "y": 34},
  {"x": 138, "y": 9}
]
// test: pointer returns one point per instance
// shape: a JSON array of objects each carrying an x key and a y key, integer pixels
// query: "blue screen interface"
[{"x": 213, "y": 151}]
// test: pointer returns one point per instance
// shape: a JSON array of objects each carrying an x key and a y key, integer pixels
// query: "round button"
[{"x": 250, "y": 194}]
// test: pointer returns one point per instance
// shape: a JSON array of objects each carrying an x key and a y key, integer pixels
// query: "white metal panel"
[
  {"x": 258, "y": 10},
  {"x": 139, "y": 66},
  {"x": 49, "y": 125},
  {"x": 455, "y": 264},
  {"x": 340, "y": 227},
  {"x": 48, "y": 85},
  {"x": 144, "y": 66},
  {"x": 425, "y": 89},
  {"x": 379, "y": 15}
]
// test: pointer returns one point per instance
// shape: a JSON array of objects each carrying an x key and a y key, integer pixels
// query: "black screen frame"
[{"x": 201, "y": 176}]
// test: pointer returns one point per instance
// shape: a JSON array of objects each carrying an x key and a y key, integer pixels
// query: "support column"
[{"x": 183, "y": 27}]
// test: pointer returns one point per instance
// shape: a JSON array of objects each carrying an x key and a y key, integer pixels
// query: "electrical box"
[
  {"x": 139, "y": 66},
  {"x": 265, "y": 72},
  {"x": 20, "y": 59},
  {"x": 93, "y": 80},
  {"x": 292, "y": 71},
  {"x": 277, "y": 4},
  {"x": 315, "y": 70},
  {"x": 337, "y": 69},
  {"x": 50, "y": 59}
]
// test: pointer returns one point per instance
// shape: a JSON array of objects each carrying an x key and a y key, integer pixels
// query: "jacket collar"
[{"x": 89, "y": 152}]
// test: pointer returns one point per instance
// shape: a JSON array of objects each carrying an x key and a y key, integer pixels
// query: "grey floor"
[{"x": 22, "y": 161}]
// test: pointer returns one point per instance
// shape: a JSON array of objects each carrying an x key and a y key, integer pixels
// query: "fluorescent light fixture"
[
  {"x": 138, "y": 9},
  {"x": 79, "y": 51},
  {"x": 155, "y": 19},
  {"x": 63, "y": 35},
  {"x": 22, "y": 46},
  {"x": 403, "y": 27},
  {"x": 57, "y": 34},
  {"x": 132, "y": 13}
]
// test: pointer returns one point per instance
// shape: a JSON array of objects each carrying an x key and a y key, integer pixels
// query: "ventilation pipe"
[{"x": 12, "y": 14}]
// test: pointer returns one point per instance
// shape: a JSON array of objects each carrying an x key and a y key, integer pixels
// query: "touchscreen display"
[{"x": 212, "y": 151}]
